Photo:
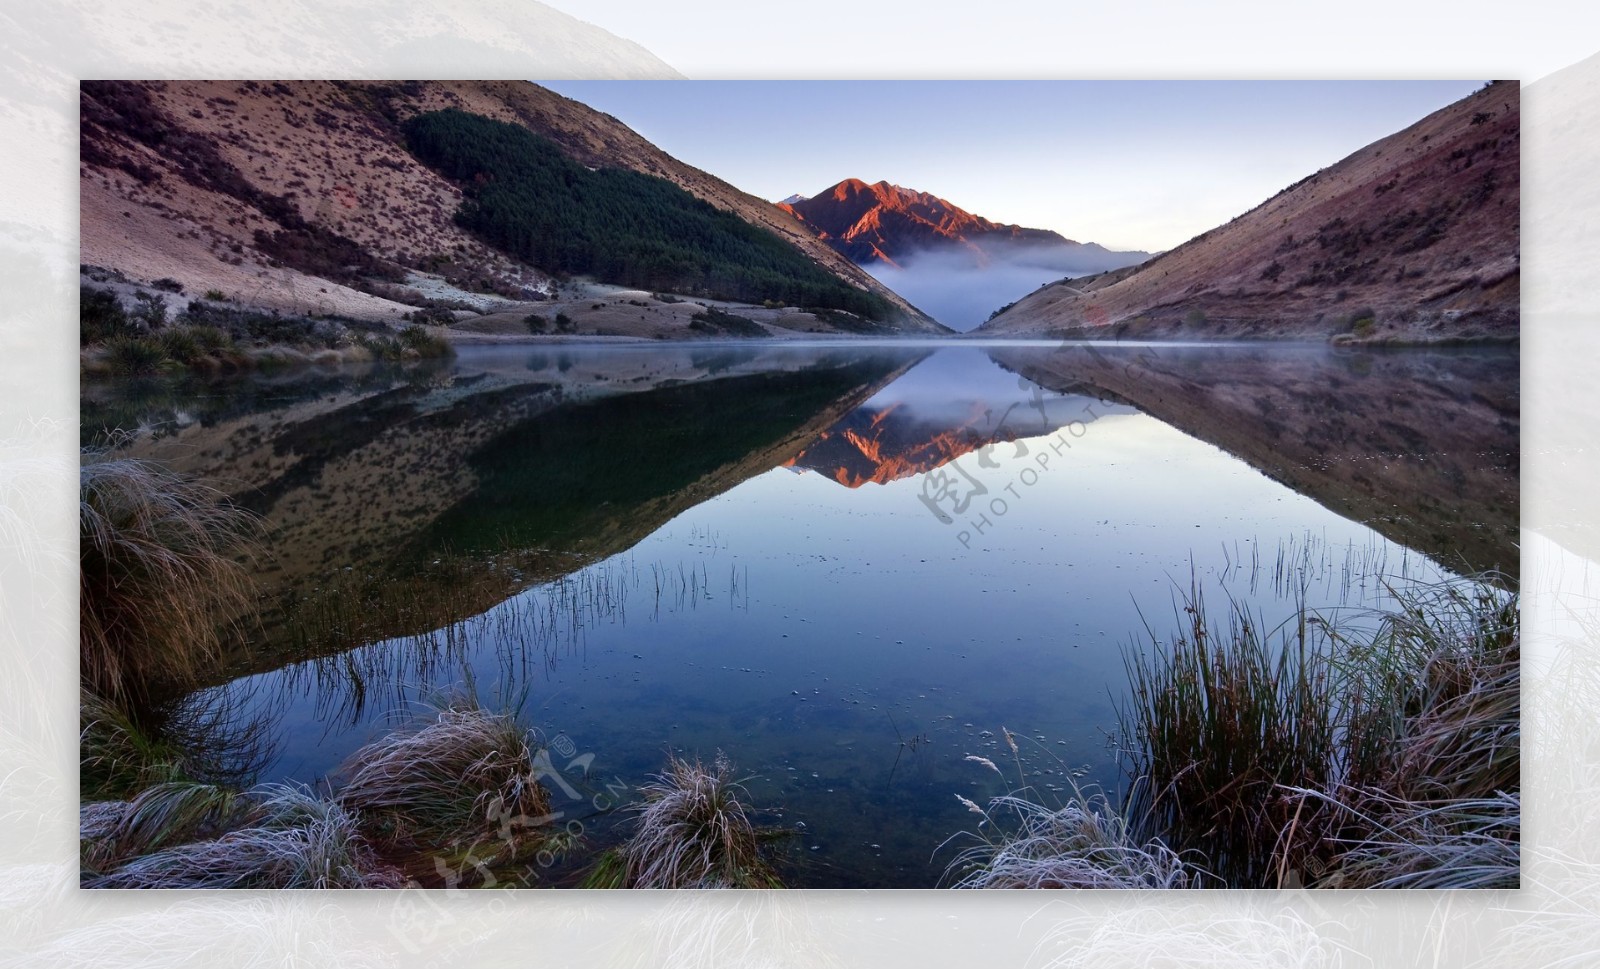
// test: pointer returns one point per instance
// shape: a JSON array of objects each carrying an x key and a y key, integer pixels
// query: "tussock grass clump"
[
  {"x": 1450, "y": 660},
  {"x": 1391, "y": 842},
  {"x": 210, "y": 736},
  {"x": 1385, "y": 757},
  {"x": 165, "y": 814},
  {"x": 158, "y": 581},
  {"x": 693, "y": 831},
  {"x": 1221, "y": 719},
  {"x": 1084, "y": 844},
  {"x": 1438, "y": 805},
  {"x": 467, "y": 773},
  {"x": 134, "y": 356},
  {"x": 294, "y": 840},
  {"x": 116, "y": 755},
  {"x": 1380, "y": 752},
  {"x": 179, "y": 344}
]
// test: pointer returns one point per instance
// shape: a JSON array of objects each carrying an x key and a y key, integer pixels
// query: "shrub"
[
  {"x": 211, "y": 339},
  {"x": 536, "y": 323},
  {"x": 563, "y": 323},
  {"x": 149, "y": 311},
  {"x": 841, "y": 320},
  {"x": 167, "y": 284},
  {"x": 275, "y": 329},
  {"x": 715, "y": 322},
  {"x": 425, "y": 342},
  {"x": 381, "y": 347},
  {"x": 437, "y": 315},
  {"x": 101, "y": 317},
  {"x": 319, "y": 251}
]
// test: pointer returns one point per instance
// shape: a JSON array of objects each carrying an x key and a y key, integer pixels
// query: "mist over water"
[{"x": 961, "y": 293}]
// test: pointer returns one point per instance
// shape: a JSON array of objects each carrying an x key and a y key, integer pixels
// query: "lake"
[{"x": 847, "y": 567}]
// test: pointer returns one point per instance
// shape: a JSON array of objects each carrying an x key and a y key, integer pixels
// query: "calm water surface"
[{"x": 845, "y": 568}]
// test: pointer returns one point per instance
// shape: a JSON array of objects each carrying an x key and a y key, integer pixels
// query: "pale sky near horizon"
[{"x": 1128, "y": 164}]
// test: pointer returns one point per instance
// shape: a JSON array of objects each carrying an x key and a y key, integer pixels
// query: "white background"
[{"x": 44, "y": 918}]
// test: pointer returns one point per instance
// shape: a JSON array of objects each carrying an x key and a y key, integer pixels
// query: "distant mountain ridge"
[{"x": 888, "y": 223}]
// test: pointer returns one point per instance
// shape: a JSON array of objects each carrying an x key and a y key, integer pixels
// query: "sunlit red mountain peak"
[{"x": 887, "y": 222}]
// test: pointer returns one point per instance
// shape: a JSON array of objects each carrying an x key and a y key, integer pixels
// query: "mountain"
[
  {"x": 957, "y": 266},
  {"x": 791, "y": 200},
  {"x": 309, "y": 196},
  {"x": 1412, "y": 238},
  {"x": 890, "y": 224}
]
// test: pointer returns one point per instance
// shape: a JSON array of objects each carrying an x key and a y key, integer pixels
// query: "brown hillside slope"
[
  {"x": 1417, "y": 232},
  {"x": 177, "y": 178}
]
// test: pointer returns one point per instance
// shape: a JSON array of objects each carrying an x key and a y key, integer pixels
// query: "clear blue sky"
[{"x": 1128, "y": 164}]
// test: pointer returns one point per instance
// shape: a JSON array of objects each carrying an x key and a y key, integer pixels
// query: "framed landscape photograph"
[{"x": 667, "y": 484}]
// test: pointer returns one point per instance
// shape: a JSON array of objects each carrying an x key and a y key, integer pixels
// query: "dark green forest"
[{"x": 524, "y": 196}]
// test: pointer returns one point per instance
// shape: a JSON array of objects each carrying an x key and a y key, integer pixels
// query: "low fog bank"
[{"x": 955, "y": 290}]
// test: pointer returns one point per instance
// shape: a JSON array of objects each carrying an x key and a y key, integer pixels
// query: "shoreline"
[{"x": 279, "y": 358}]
